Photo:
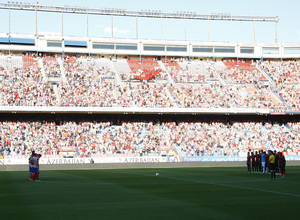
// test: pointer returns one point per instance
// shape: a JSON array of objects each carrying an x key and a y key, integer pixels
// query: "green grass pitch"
[{"x": 177, "y": 193}]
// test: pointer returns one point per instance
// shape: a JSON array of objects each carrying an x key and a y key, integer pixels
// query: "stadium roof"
[{"x": 141, "y": 13}]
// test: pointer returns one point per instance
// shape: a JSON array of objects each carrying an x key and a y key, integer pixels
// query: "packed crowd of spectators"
[
  {"x": 87, "y": 84},
  {"x": 192, "y": 72},
  {"x": 91, "y": 82},
  {"x": 223, "y": 96},
  {"x": 215, "y": 139},
  {"x": 51, "y": 66},
  {"x": 290, "y": 93},
  {"x": 241, "y": 76},
  {"x": 145, "y": 94},
  {"x": 145, "y": 138},
  {"x": 285, "y": 74},
  {"x": 196, "y": 84},
  {"x": 25, "y": 87},
  {"x": 184, "y": 76}
]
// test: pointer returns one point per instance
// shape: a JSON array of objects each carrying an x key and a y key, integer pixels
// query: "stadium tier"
[
  {"x": 106, "y": 139},
  {"x": 79, "y": 81},
  {"x": 117, "y": 84},
  {"x": 74, "y": 81}
]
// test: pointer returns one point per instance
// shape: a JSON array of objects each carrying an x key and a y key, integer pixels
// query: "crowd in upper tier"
[
  {"x": 52, "y": 67},
  {"x": 83, "y": 82},
  {"x": 223, "y": 96},
  {"x": 92, "y": 138},
  {"x": 25, "y": 87},
  {"x": 87, "y": 84}
]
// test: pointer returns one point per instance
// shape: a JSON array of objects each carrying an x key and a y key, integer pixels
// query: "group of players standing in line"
[{"x": 261, "y": 162}]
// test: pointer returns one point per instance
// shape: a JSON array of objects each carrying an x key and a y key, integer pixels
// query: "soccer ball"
[{"x": 157, "y": 174}]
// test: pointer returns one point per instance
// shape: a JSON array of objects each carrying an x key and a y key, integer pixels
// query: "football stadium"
[{"x": 115, "y": 126}]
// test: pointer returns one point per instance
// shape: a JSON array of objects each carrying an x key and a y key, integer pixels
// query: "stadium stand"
[
  {"x": 144, "y": 69},
  {"x": 95, "y": 82},
  {"x": 282, "y": 72},
  {"x": 242, "y": 74},
  {"x": 22, "y": 84},
  {"x": 100, "y": 139},
  {"x": 103, "y": 83},
  {"x": 144, "y": 95},
  {"x": 123, "y": 69},
  {"x": 88, "y": 83},
  {"x": 227, "y": 96},
  {"x": 52, "y": 67}
]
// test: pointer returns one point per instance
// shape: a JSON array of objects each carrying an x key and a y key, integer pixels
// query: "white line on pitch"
[
  {"x": 241, "y": 187},
  {"x": 222, "y": 184}
]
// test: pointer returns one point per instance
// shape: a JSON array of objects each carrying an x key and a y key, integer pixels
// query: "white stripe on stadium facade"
[{"x": 139, "y": 47}]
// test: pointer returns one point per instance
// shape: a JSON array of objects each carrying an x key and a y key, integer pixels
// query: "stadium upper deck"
[
  {"x": 100, "y": 85},
  {"x": 147, "y": 76},
  {"x": 159, "y": 49}
]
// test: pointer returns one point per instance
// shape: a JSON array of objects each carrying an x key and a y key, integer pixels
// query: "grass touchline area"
[{"x": 176, "y": 193}]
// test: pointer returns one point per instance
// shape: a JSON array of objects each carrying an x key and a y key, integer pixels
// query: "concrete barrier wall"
[{"x": 130, "y": 165}]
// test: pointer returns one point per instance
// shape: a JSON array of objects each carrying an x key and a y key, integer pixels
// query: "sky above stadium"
[{"x": 173, "y": 29}]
